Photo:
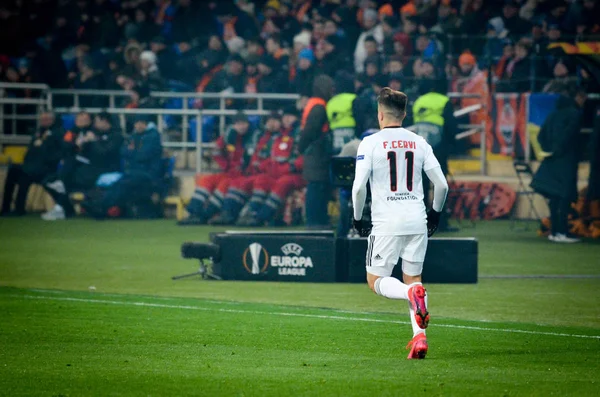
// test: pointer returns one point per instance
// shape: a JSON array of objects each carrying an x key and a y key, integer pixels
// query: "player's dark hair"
[{"x": 393, "y": 102}]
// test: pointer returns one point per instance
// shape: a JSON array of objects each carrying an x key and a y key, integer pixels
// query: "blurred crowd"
[
  {"x": 275, "y": 46},
  {"x": 116, "y": 171}
]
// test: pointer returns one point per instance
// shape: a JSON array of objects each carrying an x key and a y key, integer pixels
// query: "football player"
[{"x": 392, "y": 161}]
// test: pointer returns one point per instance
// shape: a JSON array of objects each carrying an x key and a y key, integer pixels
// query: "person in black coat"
[
  {"x": 364, "y": 107},
  {"x": 90, "y": 152},
  {"x": 272, "y": 80},
  {"x": 166, "y": 59},
  {"x": 556, "y": 178},
  {"x": 316, "y": 146},
  {"x": 230, "y": 78},
  {"x": 43, "y": 154}
]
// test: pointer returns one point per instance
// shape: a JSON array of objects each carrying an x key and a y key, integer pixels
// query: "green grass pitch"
[{"x": 89, "y": 309}]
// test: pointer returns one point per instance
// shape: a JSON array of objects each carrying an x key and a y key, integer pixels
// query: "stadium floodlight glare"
[{"x": 202, "y": 252}]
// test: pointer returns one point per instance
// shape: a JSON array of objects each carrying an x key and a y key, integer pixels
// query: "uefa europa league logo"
[{"x": 255, "y": 259}]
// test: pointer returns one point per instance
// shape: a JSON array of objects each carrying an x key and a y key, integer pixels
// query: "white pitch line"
[{"x": 287, "y": 314}]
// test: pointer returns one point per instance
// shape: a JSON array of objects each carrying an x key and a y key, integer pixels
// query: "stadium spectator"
[
  {"x": 581, "y": 17},
  {"x": 371, "y": 30},
  {"x": 187, "y": 25},
  {"x": 511, "y": 21},
  {"x": 403, "y": 49},
  {"x": 562, "y": 79},
  {"x": 508, "y": 53},
  {"x": 388, "y": 25},
  {"x": 272, "y": 78},
  {"x": 371, "y": 51},
  {"x": 447, "y": 20},
  {"x": 216, "y": 54},
  {"x": 395, "y": 81},
  {"x": 46, "y": 66},
  {"x": 330, "y": 57},
  {"x": 288, "y": 25},
  {"x": 131, "y": 54},
  {"x": 166, "y": 59},
  {"x": 89, "y": 151},
  {"x": 150, "y": 74},
  {"x": 252, "y": 75},
  {"x": 372, "y": 68},
  {"x": 473, "y": 81},
  {"x": 230, "y": 78},
  {"x": 141, "y": 29},
  {"x": 517, "y": 75},
  {"x": 556, "y": 177},
  {"x": 364, "y": 107},
  {"x": 494, "y": 46},
  {"x": 232, "y": 154},
  {"x": 276, "y": 51},
  {"x": 394, "y": 64},
  {"x": 475, "y": 19},
  {"x": 539, "y": 41},
  {"x": 140, "y": 97},
  {"x": 305, "y": 72},
  {"x": 315, "y": 146},
  {"x": 142, "y": 174},
  {"x": 43, "y": 154}
]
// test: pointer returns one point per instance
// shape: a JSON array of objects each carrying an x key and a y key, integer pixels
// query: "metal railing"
[
  {"x": 45, "y": 99},
  {"x": 76, "y": 95},
  {"x": 197, "y": 145},
  {"x": 14, "y": 104}
]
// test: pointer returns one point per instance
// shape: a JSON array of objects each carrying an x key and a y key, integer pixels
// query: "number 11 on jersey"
[{"x": 409, "y": 156}]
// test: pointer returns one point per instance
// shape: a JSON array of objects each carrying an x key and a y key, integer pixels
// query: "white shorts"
[{"x": 383, "y": 253}]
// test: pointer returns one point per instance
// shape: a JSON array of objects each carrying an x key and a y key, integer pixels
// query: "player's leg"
[
  {"x": 383, "y": 253},
  {"x": 413, "y": 255}
]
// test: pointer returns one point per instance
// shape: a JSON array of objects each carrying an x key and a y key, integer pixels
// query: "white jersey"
[{"x": 393, "y": 161}]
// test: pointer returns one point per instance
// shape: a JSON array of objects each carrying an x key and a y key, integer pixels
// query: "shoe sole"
[
  {"x": 419, "y": 350},
  {"x": 565, "y": 241},
  {"x": 418, "y": 302}
]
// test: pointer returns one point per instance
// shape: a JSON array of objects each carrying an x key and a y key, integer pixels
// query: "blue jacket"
[{"x": 142, "y": 153}]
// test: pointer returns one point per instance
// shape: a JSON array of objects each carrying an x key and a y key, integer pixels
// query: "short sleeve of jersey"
[{"x": 430, "y": 160}]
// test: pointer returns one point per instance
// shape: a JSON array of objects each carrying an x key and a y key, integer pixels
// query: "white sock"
[
  {"x": 391, "y": 288},
  {"x": 413, "y": 322}
]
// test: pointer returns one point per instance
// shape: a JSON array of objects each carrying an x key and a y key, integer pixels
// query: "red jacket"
[
  {"x": 234, "y": 151},
  {"x": 283, "y": 157}
]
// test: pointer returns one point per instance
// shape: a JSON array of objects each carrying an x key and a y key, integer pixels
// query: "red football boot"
[
  {"x": 418, "y": 347},
  {"x": 416, "y": 297}
]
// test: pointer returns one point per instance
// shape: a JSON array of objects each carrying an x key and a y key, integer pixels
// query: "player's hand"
[
  {"x": 362, "y": 227},
  {"x": 433, "y": 220}
]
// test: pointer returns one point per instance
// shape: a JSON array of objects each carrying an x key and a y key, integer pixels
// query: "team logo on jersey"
[
  {"x": 255, "y": 259},
  {"x": 291, "y": 263},
  {"x": 361, "y": 157}
]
